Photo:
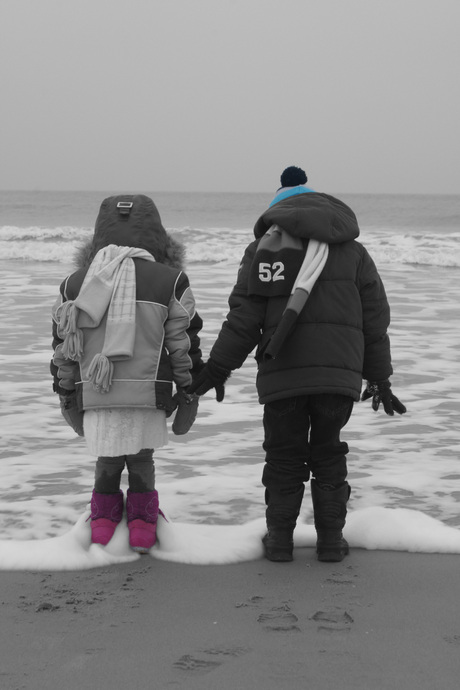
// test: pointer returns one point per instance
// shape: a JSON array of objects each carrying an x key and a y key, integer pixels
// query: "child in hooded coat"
[
  {"x": 125, "y": 330},
  {"x": 309, "y": 297}
]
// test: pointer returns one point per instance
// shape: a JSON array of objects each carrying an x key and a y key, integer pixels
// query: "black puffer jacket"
[{"x": 340, "y": 335}]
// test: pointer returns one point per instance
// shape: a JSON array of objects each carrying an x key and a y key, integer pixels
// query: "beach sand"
[{"x": 376, "y": 621}]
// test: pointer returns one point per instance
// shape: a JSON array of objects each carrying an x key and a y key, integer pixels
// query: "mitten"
[
  {"x": 187, "y": 409},
  {"x": 212, "y": 375},
  {"x": 380, "y": 392},
  {"x": 72, "y": 415}
]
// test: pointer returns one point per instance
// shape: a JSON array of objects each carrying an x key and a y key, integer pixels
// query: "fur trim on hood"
[{"x": 137, "y": 226}]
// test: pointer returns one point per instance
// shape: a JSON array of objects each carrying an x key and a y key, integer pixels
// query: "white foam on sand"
[{"x": 198, "y": 544}]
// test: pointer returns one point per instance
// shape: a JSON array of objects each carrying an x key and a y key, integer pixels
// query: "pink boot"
[
  {"x": 106, "y": 513},
  {"x": 142, "y": 515}
]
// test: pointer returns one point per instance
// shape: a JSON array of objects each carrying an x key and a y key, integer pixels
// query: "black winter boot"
[
  {"x": 282, "y": 513},
  {"x": 330, "y": 510}
]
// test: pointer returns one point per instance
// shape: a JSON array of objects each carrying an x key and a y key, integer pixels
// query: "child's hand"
[
  {"x": 187, "y": 410},
  {"x": 212, "y": 375},
  {"x": 380, "y": 392},
  {"x": 72, "y": 415}
]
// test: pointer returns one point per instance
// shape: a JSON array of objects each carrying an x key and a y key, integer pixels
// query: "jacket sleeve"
[
  {"x": 242, "y": 329},
  {"x": 376, "y": 320},
  {"x": 196, "y": 324},
  {"x": 181, "y": 332},
  {"x": 65, "y": 372}
]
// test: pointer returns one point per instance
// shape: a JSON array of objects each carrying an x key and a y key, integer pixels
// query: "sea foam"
[{"x": 215, "y": 245}]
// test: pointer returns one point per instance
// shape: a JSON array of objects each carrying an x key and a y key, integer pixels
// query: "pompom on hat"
[{"x": 293, "y": 176}]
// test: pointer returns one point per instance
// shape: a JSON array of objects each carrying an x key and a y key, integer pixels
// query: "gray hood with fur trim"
[{"x": 141, "y": 227}]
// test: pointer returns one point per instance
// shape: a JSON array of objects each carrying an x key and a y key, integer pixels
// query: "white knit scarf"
[
  {"x": 313, "y": 264},
  {"x": 109, "y": 287}
]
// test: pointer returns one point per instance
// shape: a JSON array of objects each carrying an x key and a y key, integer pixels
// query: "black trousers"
[
  {"x": 302, "y": 438},
  {"x": 141, "y": 472}
]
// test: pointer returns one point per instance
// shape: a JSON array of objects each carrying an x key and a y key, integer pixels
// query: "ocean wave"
[
  {"x": 215, "y": 245},
  {"x": 428, "y": 249},
  {"x": 11, "y": 233},
  {"x": 42, "y": 244}
]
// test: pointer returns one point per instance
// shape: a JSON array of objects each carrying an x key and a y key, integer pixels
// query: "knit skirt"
[{"x": 124, "y": 430}]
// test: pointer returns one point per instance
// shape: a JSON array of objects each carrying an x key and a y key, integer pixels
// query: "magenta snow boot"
[
  {"x": 106, "y": 513},
  {"x": 142, "y": 514}
]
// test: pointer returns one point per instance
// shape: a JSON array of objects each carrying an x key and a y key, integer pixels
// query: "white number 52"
[{"x": 271, "y": 272}]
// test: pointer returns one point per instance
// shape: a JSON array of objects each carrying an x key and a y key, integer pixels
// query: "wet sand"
[{"x": 377, "y": 620}]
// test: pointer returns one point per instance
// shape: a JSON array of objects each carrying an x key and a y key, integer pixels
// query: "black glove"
[
  {"x": 72, "y": 415},
  {"x": 187, "y": 409},
  {"x": 212, "y": 375},
  {"x": 380, "y": 392},
  {"x": 197, "y": 368}
]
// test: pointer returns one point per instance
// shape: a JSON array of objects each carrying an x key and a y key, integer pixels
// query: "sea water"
[
  {"x": 401, "y": 229},
  {"x": 210, "y": 479}
]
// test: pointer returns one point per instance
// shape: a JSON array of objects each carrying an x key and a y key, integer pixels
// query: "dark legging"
[
  {"x": 302, "y": 437},
  {"x": 141, "y": 472}
]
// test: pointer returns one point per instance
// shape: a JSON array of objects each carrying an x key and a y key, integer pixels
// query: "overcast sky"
[{"x": 221, "y": 95}]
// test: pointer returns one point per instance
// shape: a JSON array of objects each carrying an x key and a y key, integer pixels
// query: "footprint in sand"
[
  {"x": 208, "y": 659},
  {"x": 333, "y": 621},
  {"x": 191, "y": 663},
  {"x": 342, "y": 577},
  {"x": 277, "y": 619},
  {"x": 252, "y": 602}
]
